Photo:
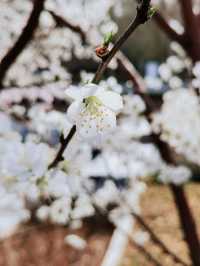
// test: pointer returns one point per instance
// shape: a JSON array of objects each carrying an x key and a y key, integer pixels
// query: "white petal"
[
  {"x": 79, "y": 93},
  {"x": 91, "y": 126},
  {"x": 90, "y": 89},
  {"x": 73, "y": 93},
  {"x": 73, "y": 111},
  {"x": 110, "y": 99}
]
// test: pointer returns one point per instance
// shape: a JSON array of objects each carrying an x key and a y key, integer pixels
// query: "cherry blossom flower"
[{"x": 94, "y": 110}]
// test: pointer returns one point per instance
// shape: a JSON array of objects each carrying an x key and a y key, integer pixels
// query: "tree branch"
[
  {"x": 142, "y": 16},
  {"x": 23, "y": 39},
  {"x": 136, "y": 79},
  {"x": 63, "y": 145},
  {"x": 171, "y": 33},
  {"x": 61, "y": 22},
  {"x": 156, "y": 240},
  {"x": 192, "y": 30},
  {"x": 189, "y": 17},
  {"x": 187, "y": 222},
  {"x": 180, "y": 199},
  {"x": 144, "y": 252}
]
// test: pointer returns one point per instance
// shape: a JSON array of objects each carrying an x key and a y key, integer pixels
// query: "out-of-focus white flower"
[
  {"x": 94, "y": 110},
  {"x": 175, "y": 82},
  {"x": 5, "y": 124},
  {"x": 57, "y": 184},
  {"x": 178, "y": 49},
  {"x": 179, "y": 123},
  {"x": 165, "y": 72},
  {"x": 133, "y": 105},
  {"x": 12, "y": 212},
  {"x": 43, "y": 213},
  {"x": 108, "y": 194},
  {"x": 176, "y": 25},
  {"x": 75, "y": 241},
  {"x": 23, "y": 161},
  {"x": 196, "y": 70},
  {"x": 83, "y": 207},
  {"x": 175, "y": 175},
  {"x": 153, "y": 83},
  {"x": 141, "y": 237},
  {"x": 176, "y": 64},
  {"x": 60, "y": 210}
]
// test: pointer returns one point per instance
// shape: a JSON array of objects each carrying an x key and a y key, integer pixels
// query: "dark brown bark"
[
  {"x": 61, "y": 22},
  {"x": 63, "y": 145},
  {"x": 142, "y": 17},
  {"x": 157, "y": 241},
  {"x": 192, "y": 29},
  {"x": 171, "y": 33},
  {"x": 187, "y": 223},
  {"x": 24, "y": 38},
  {"x": 190, "y": 40}
]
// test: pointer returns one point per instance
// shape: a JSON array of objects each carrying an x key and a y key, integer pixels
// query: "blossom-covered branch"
[
  {"x": 143, "y": 14},
  {"x": 24, "y": 38}
]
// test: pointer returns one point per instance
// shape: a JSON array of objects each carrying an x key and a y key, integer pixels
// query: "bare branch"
[
  {"x": 156, "y": 240},
  {"x": 61, "y": 22},
  {"x": 136, "y": 79},
  {"x": 189, "y": 18},
  {"x": 144, "y": 252},
  {"x": 192, "y": 30},
  {"x": 24, "y": 38},
  {"x": 171, "y": 33},
  {"x": 187, "y": 223},
  {"x": 141, "y": 17},
  {"x": 63, "y": 145}
]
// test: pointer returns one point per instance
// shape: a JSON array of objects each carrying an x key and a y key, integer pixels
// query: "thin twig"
[
  {"x": 142, "y": 16},
  {"x": 138, "y": 82},
  {"x": 156, "y": 240},
  {"x": 144, "y": 251},
  {"x": 61, "y": 22},
  {"x": 171, "y": 33},
  {"x": 24, "y": 38},
  {"x": 63, "y": 145}
]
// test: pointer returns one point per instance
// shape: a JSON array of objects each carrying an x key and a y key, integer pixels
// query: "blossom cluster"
[
  {"x": 37, "y": 64},
  {"x": 104, "y": 165}
]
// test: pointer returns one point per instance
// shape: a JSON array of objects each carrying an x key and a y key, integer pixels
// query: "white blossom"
[{"x": 94, "y": 110}]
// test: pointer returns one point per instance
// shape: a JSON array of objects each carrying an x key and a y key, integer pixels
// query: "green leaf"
[
  {"x": 151, "y": 12},
  {"x": 108, "y": 38}
]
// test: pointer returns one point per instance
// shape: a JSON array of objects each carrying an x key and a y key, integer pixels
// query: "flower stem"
[
  {"x": 141, "y": 18},
  {"x": 63, "y": 145}
]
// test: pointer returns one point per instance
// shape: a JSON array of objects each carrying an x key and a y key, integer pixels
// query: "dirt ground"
[
  {"x": 44, "y": 246},
  {"x": 159, "y": 212}
]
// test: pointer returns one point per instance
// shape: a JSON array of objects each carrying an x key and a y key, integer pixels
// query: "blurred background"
[{"x": 131, "y": 197}]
